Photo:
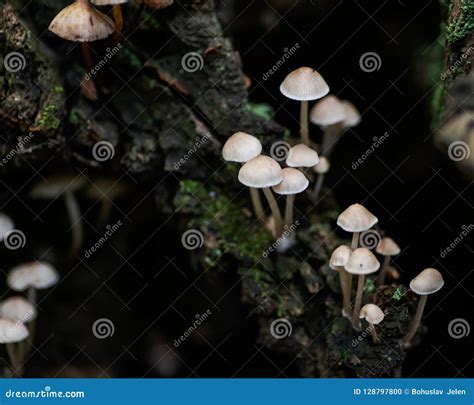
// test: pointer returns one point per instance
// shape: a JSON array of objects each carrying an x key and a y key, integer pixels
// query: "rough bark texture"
[{"x": 453, "y": 100}]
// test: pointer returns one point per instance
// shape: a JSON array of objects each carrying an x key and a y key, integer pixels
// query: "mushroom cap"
[
  {"x": 18, "y": 309},
  {"x": 356, "y": 218},
  {"x": 241, "y": 147},
  {"x": 372, "y": 313},
  {"x": 108, "y": 2},
  {"x": 427, "y": 282},
  {"x": 79, "y": 22},
  {"x": 304, "y": 84},
  {"x": 6, "y": 225},
  {"x": 260, "y": 172},
  {"x": 54, "y": 186},
  {"x": 293, "y": 182},
  {"x": 387, "y": 247},
  {"x": 339, "y": 257},
  {"x": 39, "y": 275},
  {"x": 352, "y": 115},
  {"x": 328, "y": 111},
  {"x": 322, "y": 166},
  {"x": 362, "y": 261},
  {"x": 302, "y": 156},
  {"x": 158, "y": 4},
  {"x": 11, "y": 331}
]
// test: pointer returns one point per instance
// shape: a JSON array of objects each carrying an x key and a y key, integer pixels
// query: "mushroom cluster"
[
  {"x": 360, "y": 261},
  {"x": 18, "y": 313},
  {"x": 263, "y": 172}
]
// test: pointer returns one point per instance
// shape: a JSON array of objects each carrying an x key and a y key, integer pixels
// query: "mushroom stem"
[
  {"x": 304, "y": 132},
  {"x": 383, "y": 272},
  {"x": 416, "y": 320},
  {"x": 118, "y": 18},
  {"x": 347, "y": 292},
  {"x": 15, "y": 364},
  {"x": 31, "y": 294},
  {"x": 330, "y": 137},
  {"x": 373, "y": 333},
  {"x": 358, "y": 301},
  {"x": 355, "y": 240},
  {"x": 257, "y": 205},
  {"x": 86, "y": 54},
  {"x": 290, "y": 200},
  {"x": 318, "y": 186},
  {"x": 275, "y": 210},
  {"x": 75, "y": 220}
]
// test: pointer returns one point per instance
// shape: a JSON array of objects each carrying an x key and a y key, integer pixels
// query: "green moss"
[
  {"x": 133, "y": 58},
  {"x": 48, "y": 120},
  {"x": 397, "y": 294},
  {"x": 260, "y": 109},
  {"x": 59, "y": 89},
  {"x": 74, "y": 117},
  {"x": 461, "y": 27},
  {"x": 369, "y": 286},
  {"x": 222, "y": 219}
]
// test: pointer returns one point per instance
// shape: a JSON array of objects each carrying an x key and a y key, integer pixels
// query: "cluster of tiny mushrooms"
[
  {"x": 334, "y": 117},
  {"x": 18, "y": 313},
  {"x": 81, "y": 22}
]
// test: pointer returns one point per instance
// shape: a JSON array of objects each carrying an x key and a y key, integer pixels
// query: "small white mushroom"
[
  {"x": 373, "y": 315},
  {"x": 304, "y": 84},
  {"x": 427, "y": 282}
]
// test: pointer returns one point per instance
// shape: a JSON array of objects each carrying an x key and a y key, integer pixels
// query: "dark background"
[{"x": 420, "y": 198}]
